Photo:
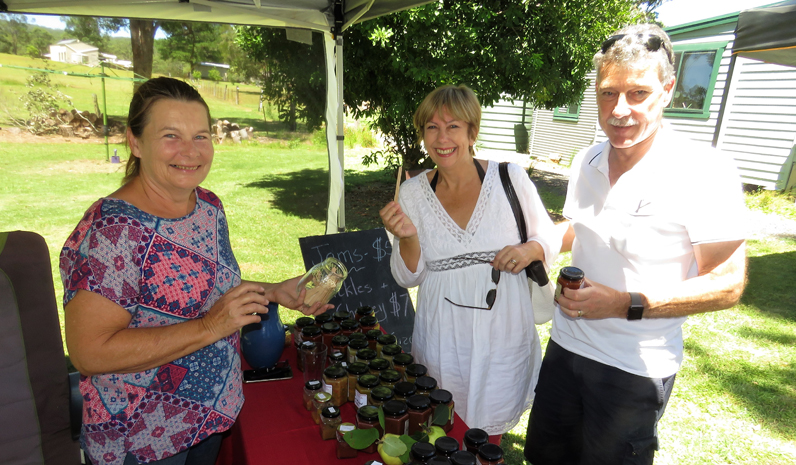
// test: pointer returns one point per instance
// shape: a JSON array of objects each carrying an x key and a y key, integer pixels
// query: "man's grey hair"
[{"x": 632, "y": 50}]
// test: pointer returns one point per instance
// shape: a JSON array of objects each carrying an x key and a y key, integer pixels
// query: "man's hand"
[
  {"x": 594, "y": 301},
  {"x": 284, "y": 294}
]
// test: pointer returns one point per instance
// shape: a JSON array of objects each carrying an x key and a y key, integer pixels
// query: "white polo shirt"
[{"x": 638, "y": 235}]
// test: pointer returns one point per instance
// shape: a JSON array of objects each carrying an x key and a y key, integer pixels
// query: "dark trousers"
[{"x": 589, "y": 413}]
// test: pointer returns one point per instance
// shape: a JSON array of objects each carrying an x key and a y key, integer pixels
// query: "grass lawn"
[{"x": 734, "y": 401}]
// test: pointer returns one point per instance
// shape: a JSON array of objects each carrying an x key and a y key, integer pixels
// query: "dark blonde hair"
[
  {"x": 629, "y": 47},
  {"x": 150, "y": 92},
  {"x": 460, "y": 101}
]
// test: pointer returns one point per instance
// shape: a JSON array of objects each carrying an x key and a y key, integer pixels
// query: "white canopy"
[{"x": 330, "y": 17}]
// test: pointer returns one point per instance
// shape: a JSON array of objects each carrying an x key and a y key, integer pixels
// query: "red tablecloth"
[{"x": 274, "y": 427}]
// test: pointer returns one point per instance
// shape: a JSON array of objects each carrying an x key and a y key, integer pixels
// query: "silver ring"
[
  {"x": 513, "y": 262},
  {"x": 580, "y": 313}
]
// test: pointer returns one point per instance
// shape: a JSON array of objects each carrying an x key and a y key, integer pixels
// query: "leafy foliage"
[
  {"x": 214, "y": 75},
  {"x": 92, "y": 30},
  {"x": 191, "y": 43},
  {"x": 41, "y": 100},
  {"x": 13, "y": 33}
]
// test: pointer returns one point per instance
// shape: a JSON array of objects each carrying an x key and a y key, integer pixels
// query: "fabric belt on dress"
[{"x": 462, "y": 261}]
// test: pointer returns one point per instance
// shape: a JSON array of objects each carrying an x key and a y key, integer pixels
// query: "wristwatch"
[{"x": 636, "y": 309}]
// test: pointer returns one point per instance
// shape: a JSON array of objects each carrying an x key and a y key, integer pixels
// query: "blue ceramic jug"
[{"x": 262, "y": 343}]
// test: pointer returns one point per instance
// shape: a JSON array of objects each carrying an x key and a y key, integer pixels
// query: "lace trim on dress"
[
  {"x": 462, "y": 236},
  {"x": 462, "y": 261}
]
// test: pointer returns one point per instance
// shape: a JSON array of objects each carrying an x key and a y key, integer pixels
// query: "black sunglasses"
[
  {"x": 653, "y": 43},
  {"x": 490, "y": 296}
]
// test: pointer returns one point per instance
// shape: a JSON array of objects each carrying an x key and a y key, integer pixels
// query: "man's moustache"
[{"x": 622, "y": 122}]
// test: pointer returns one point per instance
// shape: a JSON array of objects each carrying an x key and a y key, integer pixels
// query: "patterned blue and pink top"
[{"x": 162, "y": 271}]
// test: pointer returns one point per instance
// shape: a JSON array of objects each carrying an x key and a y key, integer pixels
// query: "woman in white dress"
[{"x": 455, "y": 236}]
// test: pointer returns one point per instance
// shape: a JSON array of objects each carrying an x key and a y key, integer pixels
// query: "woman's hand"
[
  {"x": 396, "y": 222},
  {"x": 284, "y": 294},
  {"x": 514, "y": 258},
  {"x": 235, "y": 309}
]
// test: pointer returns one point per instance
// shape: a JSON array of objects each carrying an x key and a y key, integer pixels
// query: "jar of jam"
[
  {"x": 330, "y": 420},
  {"x": 354, "y": 346},
  {"x": 401, "y": 361},
  {"x": 307, "y": 346},
  {"x": 438, "y": 460},
  {"x": 443, "y": 397},
  {"x": 349, "y": 326},
  {"x": 341, "y": 315},
  {"x": 446, "y": 446},
  {"x": 365, "y": 355},
  {"x": 419, "y": 412},
  {"x": 373, "y": 336},
  {"x": 379, "y": 395},
  {"x": 364, "y": 311},
  {"x": 355, "y": 370},
  {"x": 422, "y": 452},
  {"x": 414, "y": 371},
  {"x": 377, "y": 365},
  {"x": 367, "y": 418},
  {"x": 389, "y": 352},
  {"x": 297, "y": 327},
  {"x": 330, "y": 330},
  {"x": 356, "y": 335},
  {"x": 404, "y": 389},
  {"x": 490, "y": 454},
  {"x": 340, "y": 344},
  {"x": 474, "y": 438},
  {"x": 364, "y": 384},
  {"x": 311, "y": 333},
  {"x": 369, "y": 323},
  {"x": 321, "y": 400},
  {"x": 425, "y": 384},
  {"x": 462, "y": 457},
  {"x": 311, "y": 388},
  {"x": 389, "y": 378},
  {"x": 396, "y": 417},
  {"x": 384, "y": 340},
  {"x": 323, "y": 318},
  {"x": 344, "y": 451},
  {"x": 337, "y": 358},
  {"x": 335, "y": 382},
  {"x": 569, "y": 277}
]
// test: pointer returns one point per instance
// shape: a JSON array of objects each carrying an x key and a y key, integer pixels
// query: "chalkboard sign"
[{"x": 366, "y": 254}]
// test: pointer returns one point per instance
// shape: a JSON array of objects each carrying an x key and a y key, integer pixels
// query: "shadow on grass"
[
  {"x": 770, "y": 287},
  {"x": 513, "y": 445},
  {"x": 304, "y": 194},
  {"x": 766, "y": 390}
]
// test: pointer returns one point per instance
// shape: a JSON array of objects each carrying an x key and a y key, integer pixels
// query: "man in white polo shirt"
[{"x": 656, "y": 226}]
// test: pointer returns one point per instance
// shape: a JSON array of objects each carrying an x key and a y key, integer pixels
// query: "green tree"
[
  {"x": 214, "y": 75},
  {"x": 142, "y": 41},
  {"x": 196, "y": 74},
  {"x": 41, "y": 39},
  {"x": 92, "y": 30},
  {"x": 191, "y": 43},
  {"x": 13, "y": 34}
]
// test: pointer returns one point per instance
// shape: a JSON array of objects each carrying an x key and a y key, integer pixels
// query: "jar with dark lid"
[
  {"x": 323, "y": 318},
  {"x": 474, "y": 438},
  {"x": 357, "y": 335},
  {"x": 422, "y": 451},
  {"x": 341, "y": 315},
  {"x": 396, "y": 417},
  {"x": 319, "y": 401},
  {"x": 298, "y": 325},
  {"x": 355, "y": 370},
  {"x": 463, "y": 457},
  {"x": 389, "y": 351},
  {"x": 335, "y": 382},
  {"x": 443, "y": 397},
  {"x": 425, "y": 384},
  {"x": 344, "y": 451},
  {"x": 404, "y": 389},
  {"x": 330, "y": 330},
  {"x": 373, "y": 335},
  {"x": 310, "y": 388},
  {"x": 419, "y": 412},
  {"x": 379, "y": 395},
  {"x": 369, "y": 323},
  {"x": 490, "y": 454},
  {"x": 446, "y": 446},
  {"x": 413, "y": 371},
  {"x": 384, "y": 340},
  {"x": 569, "y": 277},
  {"x": 330, "y": 420},
  {"x": 354, "y": 346},
  {"x": 311, "y": 333},
  {"x": 438, "y": 460},
  {"x": 389, "y": 378},
  {"x": 377, "y": 365},
  {"x": 307, "y": 346},
  {"x": 366, "y": 355},
  {"x": 340, "y": 343},
  {"x": 349, "y": 326},
  {"x": 401, "y": 361},
  {"x": 367, "y": 418},
  {"x": 363, "y": 311},
  {"x": 337, "y": 358},
  {"x": 364, "y": 385}
]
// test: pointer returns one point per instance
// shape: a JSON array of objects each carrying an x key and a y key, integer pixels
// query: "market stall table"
[{"x": 274, "y": 427}]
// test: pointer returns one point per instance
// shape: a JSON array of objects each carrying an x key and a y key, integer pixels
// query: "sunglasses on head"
[
  {"x": 490, "y": 296},
  {"x": 653, "y": 43}
]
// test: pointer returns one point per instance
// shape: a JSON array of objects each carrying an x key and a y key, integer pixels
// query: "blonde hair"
[
  {"x": 628, "y": 48},
  {"x": 460, "y": 101}
]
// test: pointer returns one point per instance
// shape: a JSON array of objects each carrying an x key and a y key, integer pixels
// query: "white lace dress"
[{"x": 488, "y": 359}]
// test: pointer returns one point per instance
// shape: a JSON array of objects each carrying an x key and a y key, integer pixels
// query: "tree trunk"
[{"x": 142, "y": 37}]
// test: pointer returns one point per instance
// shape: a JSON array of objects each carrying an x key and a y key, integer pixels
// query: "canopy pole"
[
  {"x": 336, "y": 186},
  {"x": 340, "y": 132}
]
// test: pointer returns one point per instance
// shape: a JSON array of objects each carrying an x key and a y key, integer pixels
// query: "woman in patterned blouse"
[{"x": 153, "y": 297}]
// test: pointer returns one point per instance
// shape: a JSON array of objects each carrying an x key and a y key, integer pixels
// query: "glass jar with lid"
[
  {"x": 322, "y": 399},
  {"x": 401, "y": 361},
  {"x": 311, "y": 333},
  {"x": 570, "y": 277},
  {"x": 370, "y": 323},
  {"x": 404, "y": 389},
  {"x": 311, "y": 387},
  {"x": 364, "y": 385},
  {"x": 438, "y": 460},
  {"x": 384, "y": 340},
  {"x": 463, "y": 457},
  {"x": 389, "y": 352},
  {"x": 355, "y": 370},
  {"x": 367, "y": 418},
  {"x": 298, "y": 325},
  {"x": 425, "y": 384},
  {"x": 340, "y": 344},
  {"x": 329, "y": 330},
  {"x": 364, "y": 311},
  {"x": 344, "y": 451},
  {"x": 396, "y": 417},
  {"x": 379, "y": 395},
  {"x": 419, "y": 412},
  {"x": 377, "y": 365},
  {"x": 414, "y": 371},
  {"x": 323, "y": 318},
  {"x": 474, "y": 438},
  {"x": 365, "y": 355},
  {"x": 354, "y": 346},
  {"x": 349, "y": 326},
  {"x": 389, "y": 378},
  {"x": 446, "y": 446},
  {"x": 330, "y": 420},
  {"x": 490, "y": 454},
  {"x": 337, "y": 358},
  {"x": 443, "y": 397},
  {"x": 322, "y": 281},
  {"x": 335, "y": 382},
  {"x": 341, "y": 315},
  {"x": 422, "y": 451}
]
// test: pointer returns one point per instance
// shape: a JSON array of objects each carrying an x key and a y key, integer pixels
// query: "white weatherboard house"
[
  {"x": 755, "y": 124},
  {"x": 74, "y": 51}
]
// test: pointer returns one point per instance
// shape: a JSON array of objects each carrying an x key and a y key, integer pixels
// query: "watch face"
[{"x": 636, "y": 310}]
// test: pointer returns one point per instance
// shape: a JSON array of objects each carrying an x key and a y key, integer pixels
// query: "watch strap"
[{"x": 636, "y": 309}]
